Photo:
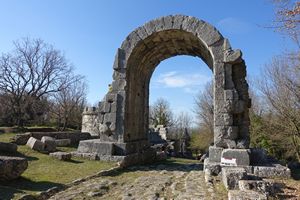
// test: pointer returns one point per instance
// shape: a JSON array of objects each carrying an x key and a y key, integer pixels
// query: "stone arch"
[{"x": 123, "y": 113}]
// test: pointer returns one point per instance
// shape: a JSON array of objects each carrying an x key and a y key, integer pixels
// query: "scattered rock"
[
  {"x": 12, "y": 167},
  {"x": 213, "y": 167},
  {"x": 8, "y": 147},
  {"x": 21, "y": 138},
  {"x": 50, "y": 144},
  {"x": 231, "y": 177},
  {"x": 36, "y": 144},
  {"x": 272, "y": 171},
  {"x": 61, "y": 155},
  {"x": 257, "y": 185}
]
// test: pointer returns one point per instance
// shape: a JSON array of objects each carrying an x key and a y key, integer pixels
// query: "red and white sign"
[{"x": 228, "y": 161}]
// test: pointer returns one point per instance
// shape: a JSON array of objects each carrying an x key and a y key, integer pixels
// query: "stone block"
[
  {"x": 208, "y": 34},
  {"x": 233, "y": 57},
  {"x": 113, "y": 107},
  {"x": 215, "y": 153},
  {"x": 47, "y": 138},
  {"x": 12, "y": 167},
  {"x": 119, "y": 84},
  {"x": 63, "y": 142},
  {"x": 213, "y": 168},
  {"x": 240, "y": 155},
  {"x": 110, "y": 117},
  {"x": 223, "y": 119},
  {"x": 168, "y": 22},
  {"x": 8, "y": 147},
  {"x": 277, "y": 171},
  {"x": 262, "y": 186},
  {"x": 50, "y": 144},
  {"x": 101, "y": 107},
  {"x": 231, "y": 177},
  {"x": 61, "y": 155},
  {"x": 239, "y": 107},
  {"x": 119, "y": 59},
  {"x": 246, "y": 195},
  {"x": 35, "y": 144},
  {"x": 226, "y": 132},
  {"x": 21, "y": 139},
  {"x": 106, "y": 107},
  {"x": 224, "y": 143},
  {"x": 96, "y": 146},
  {"x": 230, "y": 94},
  {"x": 177, "y": 21}
]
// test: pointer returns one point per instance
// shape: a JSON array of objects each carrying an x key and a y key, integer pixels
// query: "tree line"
[{"x": 38, "y": 86}]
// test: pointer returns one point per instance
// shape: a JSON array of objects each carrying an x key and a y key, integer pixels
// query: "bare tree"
[
  {"x": 161, "y": 114},
  {"x": 33, "y": 70},
  {"x": 184, "y": 121},
  {"x": 68, "y": 104},
  {"x": 287, "y": 19},
  {"x": 280, "y": 86},
  {"x": 204, "y": 107}
]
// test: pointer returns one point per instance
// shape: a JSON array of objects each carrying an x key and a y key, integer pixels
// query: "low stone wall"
[{"x": 75, "y": 137}]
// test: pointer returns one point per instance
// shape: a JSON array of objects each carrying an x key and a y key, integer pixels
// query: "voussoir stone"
[{"x": 12, "y": 167}]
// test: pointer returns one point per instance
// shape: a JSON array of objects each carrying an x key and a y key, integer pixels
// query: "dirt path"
[{"x": 161, "y": 181}]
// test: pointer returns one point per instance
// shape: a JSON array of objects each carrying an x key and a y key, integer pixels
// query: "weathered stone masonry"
[{"x": 121, "y": 119}]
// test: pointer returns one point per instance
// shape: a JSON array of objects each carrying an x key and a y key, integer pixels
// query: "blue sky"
[{"x": 90, "y": 31}]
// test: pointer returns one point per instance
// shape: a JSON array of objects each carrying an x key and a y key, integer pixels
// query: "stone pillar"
[{"x": 90, "y": 121}]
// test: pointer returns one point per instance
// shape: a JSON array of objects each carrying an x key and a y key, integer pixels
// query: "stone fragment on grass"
[
  {"x": 12, "y": 167},
  {"x": 35, "y": 144},
  {"x": 61, "y": 155},
  {"x": 50, "y": 144}
]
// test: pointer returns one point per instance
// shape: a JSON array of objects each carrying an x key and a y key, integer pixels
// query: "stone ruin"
[{"x": 121, "y": 118}]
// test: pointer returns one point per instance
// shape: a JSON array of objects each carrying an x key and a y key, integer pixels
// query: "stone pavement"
[{"x": 161, "y": 181}]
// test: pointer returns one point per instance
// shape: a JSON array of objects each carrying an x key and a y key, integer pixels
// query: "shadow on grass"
[
  {"x": 19, "y": 186},
  {"x": 74, "y": 161},
  {"x": 18, "y": 154}
]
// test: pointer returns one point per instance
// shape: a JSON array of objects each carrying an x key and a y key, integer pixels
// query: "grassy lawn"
[{"x": 45, "y": 172}]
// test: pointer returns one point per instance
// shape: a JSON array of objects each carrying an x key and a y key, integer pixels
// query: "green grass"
[
  {"x": 5, "y": 137},
  {"x": 45, "y": 172}
]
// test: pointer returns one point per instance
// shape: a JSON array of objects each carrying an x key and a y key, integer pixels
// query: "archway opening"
[
  {"x": 175, "y": 124},
  {"x": 141, "y": 64}
]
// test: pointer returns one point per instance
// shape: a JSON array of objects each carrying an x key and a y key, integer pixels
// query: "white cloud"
[
  {"x": 186, "y": 81},
  {"x": 233, "y": 25}
]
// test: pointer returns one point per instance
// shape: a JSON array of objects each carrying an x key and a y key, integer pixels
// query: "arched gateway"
[{"x": 121, "y": 119}]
